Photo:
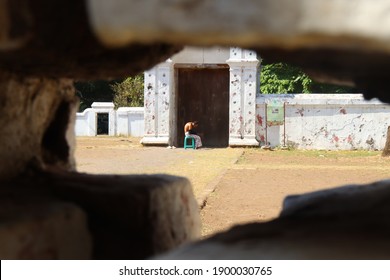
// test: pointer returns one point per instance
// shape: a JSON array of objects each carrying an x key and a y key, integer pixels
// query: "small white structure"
[
  {"x": 126, "y": 121},
  {"x": 86, "y": 122}
]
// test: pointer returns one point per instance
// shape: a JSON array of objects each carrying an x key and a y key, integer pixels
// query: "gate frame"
[
  {"x": 160, "y": 100},
  {"x": 174, "y": 133}
]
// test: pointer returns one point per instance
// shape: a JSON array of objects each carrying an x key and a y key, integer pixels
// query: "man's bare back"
[{"x": 189, "y": 126}]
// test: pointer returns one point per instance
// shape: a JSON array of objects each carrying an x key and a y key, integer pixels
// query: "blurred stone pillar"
[
  {"x": 244, "y": 86},
  {"x": 36, "y": 124}
]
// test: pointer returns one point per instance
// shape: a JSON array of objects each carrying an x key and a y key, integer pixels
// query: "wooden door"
[{"x": 203, "y": 95}]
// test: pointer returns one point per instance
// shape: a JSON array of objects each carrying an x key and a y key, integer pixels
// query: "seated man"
[{"x": 189, "y": 130}]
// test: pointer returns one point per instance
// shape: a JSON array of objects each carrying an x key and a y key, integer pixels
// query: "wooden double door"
[{"x": 203, "y": 95}]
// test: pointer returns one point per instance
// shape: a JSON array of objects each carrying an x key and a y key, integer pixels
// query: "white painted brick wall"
[
  {"x": 325, "y": 121},
  {"x": 312, "y": 121}
]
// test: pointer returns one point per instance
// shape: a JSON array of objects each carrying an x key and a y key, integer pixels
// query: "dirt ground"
[{"x": 235, "y": 185}]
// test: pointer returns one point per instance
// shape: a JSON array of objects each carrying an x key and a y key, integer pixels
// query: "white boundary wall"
[
  {"x": 325, "y": 121},
  {"x": 130, "y": 121},
  {"x": 126, "y": 121},
  {"x": 312, "y": 121}
]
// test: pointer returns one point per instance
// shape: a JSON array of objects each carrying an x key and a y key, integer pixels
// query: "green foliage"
[
  {"x": 94, "y": 91},
  {"x": 124, "y": 93},
  {"x": 129, "y": 92},
  {"x": 283, "y": 78}
]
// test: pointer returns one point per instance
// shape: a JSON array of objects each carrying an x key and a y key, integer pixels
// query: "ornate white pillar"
[
  {"x": 244, "y": 86},
  {"x": 157, "y": 93}
]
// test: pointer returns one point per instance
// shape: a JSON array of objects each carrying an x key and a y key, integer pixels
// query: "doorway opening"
[
  {"x": 203, "y": 96},
  {"x": 102, "y": 124}
]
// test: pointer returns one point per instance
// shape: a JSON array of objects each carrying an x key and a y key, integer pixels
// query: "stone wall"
[
  {"x": 36, "y": 124},
  {"x": 314, "y": 121},
  {"x": 337, "y": 41},
  {"x": 130, "y": 121},
  {"x": 324, "y": 121},
  {"x": 44, "y": 43}
]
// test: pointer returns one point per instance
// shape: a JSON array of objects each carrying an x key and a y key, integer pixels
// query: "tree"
[
  {"x": 283, "y": 78},
  {"x": 94, "y": 91},
  {"x": 129, "y": 92}
]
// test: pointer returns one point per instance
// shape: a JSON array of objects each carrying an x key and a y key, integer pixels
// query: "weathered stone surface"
[
  {"x": 364, "y": 200},
  {"x": 131, "y": 217},
  {"x": 36, "y": 124},
  {"x": 338, "y": 41},
  {"x": 343, "y": 223},
  {"x": 53, "y": 38},
  {"x": 15, "y": 22},
  {"x": 299, "y": 24},
  {"x": 36, "y": 228}
]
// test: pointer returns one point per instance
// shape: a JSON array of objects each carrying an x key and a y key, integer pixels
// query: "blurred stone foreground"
[{"x": 51, "y": 211}]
